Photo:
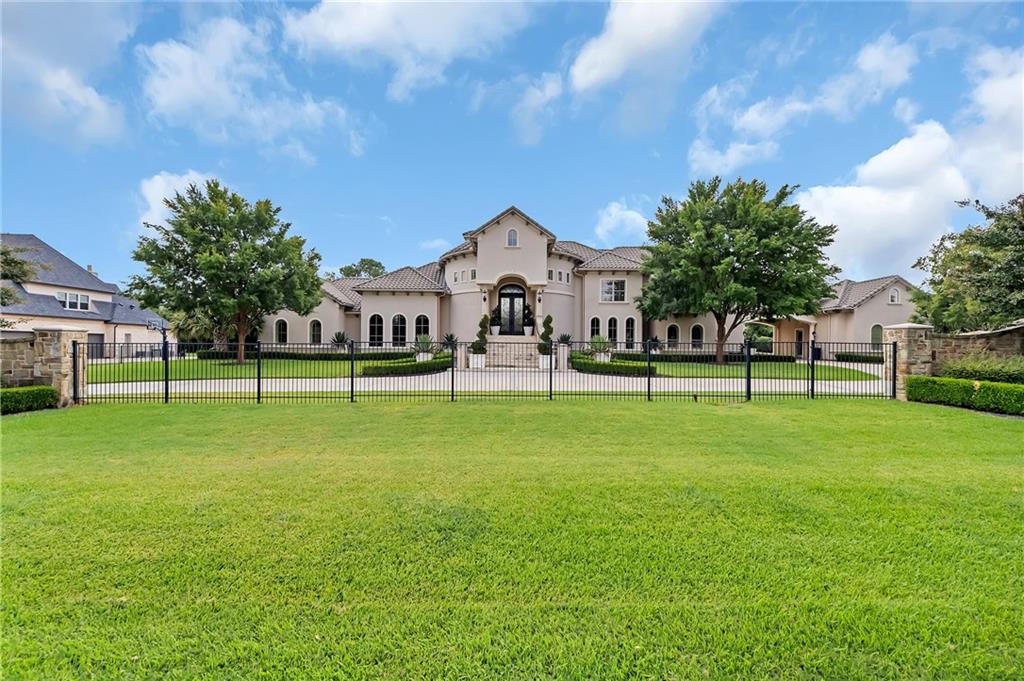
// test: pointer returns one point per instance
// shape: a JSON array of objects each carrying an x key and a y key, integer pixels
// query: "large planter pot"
[
  {"x": 546, "y": 362},
  {"x": 423, "y": 356},
  {"x": 527, "y": 330},
  {"x": 495, "y": 330},
  {"x": 477, "y": 361},
  {"x": 602, "y": 356}
]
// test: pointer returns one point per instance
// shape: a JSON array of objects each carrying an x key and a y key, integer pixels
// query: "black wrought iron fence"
[{"x": 306, "y": 372}]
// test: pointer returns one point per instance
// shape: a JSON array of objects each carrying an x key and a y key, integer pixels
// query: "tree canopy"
[
  {"x": 16, "y": 269},
  {"x": 365, "y": 267},
  {"x": 225, "y": 259},
  {"x": 737, "y": 253},
  {"x": 975, "y": 278}
]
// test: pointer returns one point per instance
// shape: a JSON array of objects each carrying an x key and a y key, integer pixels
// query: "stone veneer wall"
[
  {"x": 1001, "y": 343},
  {"x": 44, "y": 359}
]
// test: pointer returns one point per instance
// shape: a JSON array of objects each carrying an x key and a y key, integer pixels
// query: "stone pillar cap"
[{"x": 908, "y": 325}]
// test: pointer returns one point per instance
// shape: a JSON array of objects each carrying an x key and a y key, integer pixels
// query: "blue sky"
[{"x": 385, "y": 131}]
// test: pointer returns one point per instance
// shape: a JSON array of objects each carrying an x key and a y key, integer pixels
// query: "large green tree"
[
  {"x": 221, "y": 257},
  {"x": 975, "y": 278},
  {"x": 366, "y": 267},
  {"x": 737, "y": 253},
  {"x": 13, "y": 268}
]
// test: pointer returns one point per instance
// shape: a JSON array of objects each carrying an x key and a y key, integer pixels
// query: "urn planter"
[
  {"x": 477, "y": 361},
  {"x": 602, "y": 356},
  {"x": 495, "y": 330},
  {"x": 423, "y": 356},
  {"x": 528, "y": 330},
  {"x": 545, "y": 362}
]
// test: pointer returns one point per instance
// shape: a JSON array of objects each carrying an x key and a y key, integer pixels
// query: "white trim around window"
[
  {"x": 615, "y": 295},
  {"x": 318, "y": 337},
  {"x": 894, "y": 296},
  {"x": 512, "y": 238},
  {"x": 280, "y": 325}
]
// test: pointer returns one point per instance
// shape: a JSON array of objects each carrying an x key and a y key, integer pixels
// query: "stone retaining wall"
[{"x": 43, "y": 359}]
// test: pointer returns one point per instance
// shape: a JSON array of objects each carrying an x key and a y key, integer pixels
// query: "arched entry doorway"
[{"x": 511, "y": 301}]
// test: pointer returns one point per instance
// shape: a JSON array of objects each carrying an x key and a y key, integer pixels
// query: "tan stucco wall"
[
  {"x": 496, "y": 260},
  {"x": 331, "y": 315},
  {"x": 593, "y": 307},
  {"x": 408, "y": 304},
  {"x": 659, "y": 328},
  {"x": 48, "y": 289},
  {"x": 111, "y": 334},
  {"x": 464, "y": 311}
]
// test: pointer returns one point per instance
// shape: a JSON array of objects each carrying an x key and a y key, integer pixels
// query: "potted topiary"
[
  {"x": 339, "y": 338},
  {"x": 424, "y": 345},
  {"x": 478, "y": 348},
  {"x": 565, "y": 338},
  {"x": 450, "y": 342},
  {"x": 495, "y": 320},
  {"x": 528, "y": 320},
  {"x": 545, "y": 345},
  {"x": 601, "y": 348},
  {"x": 654, "y": 343}
]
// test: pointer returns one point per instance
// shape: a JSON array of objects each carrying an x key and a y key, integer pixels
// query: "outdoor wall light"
[
  {"x": 540, "y": 296},
  {"x": 485, "y": 296}
]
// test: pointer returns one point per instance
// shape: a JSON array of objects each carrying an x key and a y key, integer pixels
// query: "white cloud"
[
  {"x": 618, "y": 224},
  {"x": 992, "y": 145},
  {"x": 900, "y": 200},
  {"x": 880, "y": 67},
  {"x": 420, "y": 40},
  {"x": 645, "y": 38},
  {"x": 534, "y": 108},
  {"x": 435, "y": 244},
  {"x": 50, "y": 51},
  {"x": 153, "y": 190},
  {"x": 705, "y": 159},
  {"x": 222, "y": 82},
  {"x": 905, "y": 110}
]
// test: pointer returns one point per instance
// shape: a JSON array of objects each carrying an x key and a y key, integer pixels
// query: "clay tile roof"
[
  {"x": 848, "y": 294},
  {"x": 575, "y": 249},
  {"x": 638, "y": 253},
  {"x": 344, "y": 292},
  {"x": 403, "y": 279},
  {"x": 464, "y": 247},
  {"x": 610, "y": 261}
]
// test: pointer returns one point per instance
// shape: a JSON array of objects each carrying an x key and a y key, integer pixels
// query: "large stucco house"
[
  {"x": 512, "y": 261},
  {"x": 508, "y": 262},
  {"x": 856, "y": 312},
  {"x": 64, "y": 294}
]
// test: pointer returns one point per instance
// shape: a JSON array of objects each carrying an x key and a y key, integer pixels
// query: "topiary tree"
[
  {"x": 479, "y": 346},
  {"x": 544, "y": 347}
]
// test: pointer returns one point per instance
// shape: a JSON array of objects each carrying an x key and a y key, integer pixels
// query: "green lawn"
[
  {"x": 838, "y": 539},
  {"x": 781, "y": 370},
  {"x": 191, "y": 368}
]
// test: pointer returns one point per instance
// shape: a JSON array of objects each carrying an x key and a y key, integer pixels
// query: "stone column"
[
  {"x": 913, "y": 353},
  {"x": 563, "y": 357},
  {"x": 53, "y": 365}
]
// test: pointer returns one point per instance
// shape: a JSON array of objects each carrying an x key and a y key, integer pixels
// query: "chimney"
[{"x": 92, "y": 271}]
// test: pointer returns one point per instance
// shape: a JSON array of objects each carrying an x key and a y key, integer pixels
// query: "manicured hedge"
[
  {"x": 326, "y": 355},
  {"x": 699, "y": 357},
  {"x": 986, "y": 368},
  {"x": 440, "y": 363},
  {"x": 586, "y": 365},
  {"x": 28, "y": 398},
  {"x": 1003, "y": 398},
  {"x": 860, "y": 357}
]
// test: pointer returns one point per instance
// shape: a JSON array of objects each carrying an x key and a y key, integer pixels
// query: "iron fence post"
[
  {"x": 649, "y": 344},
  {"x": 813, "y": 348},
  {"x": 259, "y": 372},
  {"x": 167, "y": 370},
  {"x": 551, "y": 370},
  {"x": 746, "y": 370},
  {"x": 351, "y": 371},
  {"x": 74, "y": 372},
  {"x": 892, "y": 373},
  {"x": 455, "y": 352}
]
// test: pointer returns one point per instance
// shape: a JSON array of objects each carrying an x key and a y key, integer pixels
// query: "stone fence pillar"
[
  {"x": 913, "y": 353},
  {"x": 53, "y": 365}
]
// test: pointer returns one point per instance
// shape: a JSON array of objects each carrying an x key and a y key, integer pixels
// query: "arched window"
[
  {"x": 894, "y": 296},
  {"x": 376, "y": 330},
  {"x": 422, "y": 325},
  {"x": 398, "y": 331},
  {"x": 613, "y": 329},
  {"x": 280, "y": 331},
  {"x": 512, "y": 238},
  {"x": 696, "y": 336},
  {"x": 630, "y": 332},
  {"x": 595, "y": 327},
  {"x": 876, "y": 337},
  {"x": 316, "y": 332},
  {"x": 673, "y": 335}
]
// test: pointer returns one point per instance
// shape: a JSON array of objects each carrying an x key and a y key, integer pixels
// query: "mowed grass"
[
  {"x": 208, "y": 369},
  {"x": 836, "y": 539},
  {"x": 780, "y": 370}
]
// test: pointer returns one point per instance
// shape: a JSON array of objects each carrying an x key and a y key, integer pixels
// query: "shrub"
[
  {"x": 479, "y": 346},
  {"x": 339, "y": 355},
  {"x": 600, "y": 344},
  {"x": 450, "y": 341},
  {"x": 339, "y": 338},
  {"x": 584, "y": 364},
  {"x": 860, "y": 357},
  {"x": 985, "y": 367},
  {"x": 565, "y": 338},
  {"x": 528, "y": 319},
  {"x": 438, "y": 364},
  {"x": 423, "y": 343},
  {"x": 495, "y": 318},
  {"x": 1003, "y": 398},
  {"x": 28, "y": 398},
  {"x": 699, "y": 357},
  {"x": 544, "y": 347}
]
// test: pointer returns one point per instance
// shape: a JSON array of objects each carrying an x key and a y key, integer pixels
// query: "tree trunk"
[
  {"x": 243, "y": 331},
  {"x": 720, "y": 337},
  {"x": 220, "y": 339}
]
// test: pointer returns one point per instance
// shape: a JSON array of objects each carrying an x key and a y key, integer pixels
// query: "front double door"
[{"x": 511, "y": 302}]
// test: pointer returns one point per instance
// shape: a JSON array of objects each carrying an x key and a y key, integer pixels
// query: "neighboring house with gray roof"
[
  {"x": 63, "y": 293},
  {"x": 856, "y": 312},
  {"x": 509, "y": 262}
]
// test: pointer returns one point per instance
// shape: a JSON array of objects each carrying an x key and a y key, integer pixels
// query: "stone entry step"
[{"x": 512, "y": 351}]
